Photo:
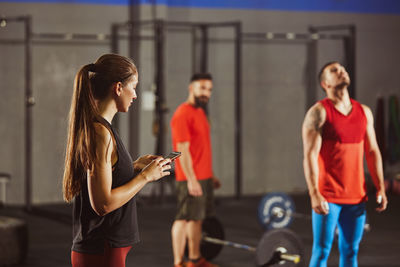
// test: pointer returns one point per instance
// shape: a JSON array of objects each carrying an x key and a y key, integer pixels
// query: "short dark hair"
[
  {"x": 321, "y": 76},
  {"x": 201, "y": 76}
]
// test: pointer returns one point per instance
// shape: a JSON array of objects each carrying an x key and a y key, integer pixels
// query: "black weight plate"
[
  {"x": 274, "y": 239},
  {"x": 273, "y": 201},
  {"x": 211, "y": 227}
]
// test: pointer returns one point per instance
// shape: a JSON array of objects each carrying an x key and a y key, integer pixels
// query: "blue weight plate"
[{"x": 275, "y": 211}]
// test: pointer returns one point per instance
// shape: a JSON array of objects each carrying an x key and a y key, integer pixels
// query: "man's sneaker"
[{"x": 202, "y": 262}]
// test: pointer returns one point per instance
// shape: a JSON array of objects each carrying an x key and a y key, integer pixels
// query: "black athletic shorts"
[{"x": 195, "y": 208}]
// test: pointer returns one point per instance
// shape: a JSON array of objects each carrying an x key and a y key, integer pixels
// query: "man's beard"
[
  {"x": 345, "y": 83},
  {"x": 201, "y": 102}
]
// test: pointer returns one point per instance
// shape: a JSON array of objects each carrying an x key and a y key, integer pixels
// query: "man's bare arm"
[
  {"x": 312, "y": 140},
  {"x": 186, "y": 162},
  {"x": 374, "y": 159}
]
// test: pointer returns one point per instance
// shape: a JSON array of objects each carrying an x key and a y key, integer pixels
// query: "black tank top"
[{"x": 119, "y": 228}]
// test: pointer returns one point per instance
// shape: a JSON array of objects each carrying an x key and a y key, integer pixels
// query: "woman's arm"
[{"x": 103, "y": 198}]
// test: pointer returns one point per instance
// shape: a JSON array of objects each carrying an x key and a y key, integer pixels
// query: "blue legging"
[{"x": 350, "y": 220}]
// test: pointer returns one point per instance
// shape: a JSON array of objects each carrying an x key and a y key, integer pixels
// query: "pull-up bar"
[{"x": 292, "y": 36}]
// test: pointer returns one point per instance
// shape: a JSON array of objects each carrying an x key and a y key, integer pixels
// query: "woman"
[{"x": 100, "y": 177}]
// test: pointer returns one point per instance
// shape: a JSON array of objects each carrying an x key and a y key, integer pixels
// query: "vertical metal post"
[
  {"x": 350, "y": 54},
  {"x": 204, "y": 54},
  {"x": 160, "y": 108},
  {"x": 115, "y": 50},
  {"x": 238, "y": 110},
  {"x": 159, "y": 81},
  {"x": 134, "y": 54},
  {"x": 114, "y": 38},
  {"x": 204, "y": 48},
  {"x": 194, "y": 50},
  {"x": 29, "y": 102},
  {"x": 311, "y": 70}
]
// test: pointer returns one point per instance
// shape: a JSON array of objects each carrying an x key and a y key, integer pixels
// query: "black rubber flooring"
[{"x": 50, "y": 234}]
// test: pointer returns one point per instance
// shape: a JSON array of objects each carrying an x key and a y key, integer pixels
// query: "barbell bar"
[{"x": 228, "y": 243}]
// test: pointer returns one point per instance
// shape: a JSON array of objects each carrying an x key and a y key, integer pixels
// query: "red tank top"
[{"x": 341, "y": 170}]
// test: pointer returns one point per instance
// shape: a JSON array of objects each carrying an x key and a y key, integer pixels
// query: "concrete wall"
[{"x": 274, "y": 87}]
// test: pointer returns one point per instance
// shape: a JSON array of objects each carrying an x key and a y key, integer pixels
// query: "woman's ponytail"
[{"x": 79, "y": 150}]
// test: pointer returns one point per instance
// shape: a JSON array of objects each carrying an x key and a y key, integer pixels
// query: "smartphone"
[{"x": 173, "y": 155}]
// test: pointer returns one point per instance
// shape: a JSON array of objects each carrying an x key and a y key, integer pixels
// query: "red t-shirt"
[
  {"x": 341, "y": 169},
  {"x": 190, "y": 124}
]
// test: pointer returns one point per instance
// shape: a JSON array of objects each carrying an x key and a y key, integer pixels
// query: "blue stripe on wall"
[
  {"x": 355, "y": 6},
  {"x": 98, "y": 2}
]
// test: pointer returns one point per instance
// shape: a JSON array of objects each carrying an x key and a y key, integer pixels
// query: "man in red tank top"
[
  {"x": 337, "y": 131},
  {"x": 195, "y": 180}
]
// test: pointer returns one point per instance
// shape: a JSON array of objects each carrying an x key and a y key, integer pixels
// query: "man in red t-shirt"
[
  {"x": 193, "y": 170},
  {"x": 337, "y": 131}
]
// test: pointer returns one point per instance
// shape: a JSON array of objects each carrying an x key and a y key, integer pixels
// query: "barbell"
[
  {"x": 277, "y": 210},
  {"x": 279, "y": 246}
]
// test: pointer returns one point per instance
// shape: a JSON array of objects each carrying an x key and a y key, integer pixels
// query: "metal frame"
[
  {"x": 29, "y": 101},
  {"x": 111, "y": 40},
  {"x": 349, "y": 43},
  {"x": 160, "y": 27},
  {"x": 311, "y": 38},
  {"x": 28, "y": 41}
]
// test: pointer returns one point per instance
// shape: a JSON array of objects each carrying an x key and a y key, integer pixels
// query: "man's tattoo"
[{"x": 314, "y": 119}]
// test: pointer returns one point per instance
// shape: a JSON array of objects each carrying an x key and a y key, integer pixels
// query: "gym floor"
[{"x": 50, "y": 234}]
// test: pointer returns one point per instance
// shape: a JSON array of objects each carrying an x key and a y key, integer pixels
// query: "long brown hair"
[{"x": 92, "y": 82}]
